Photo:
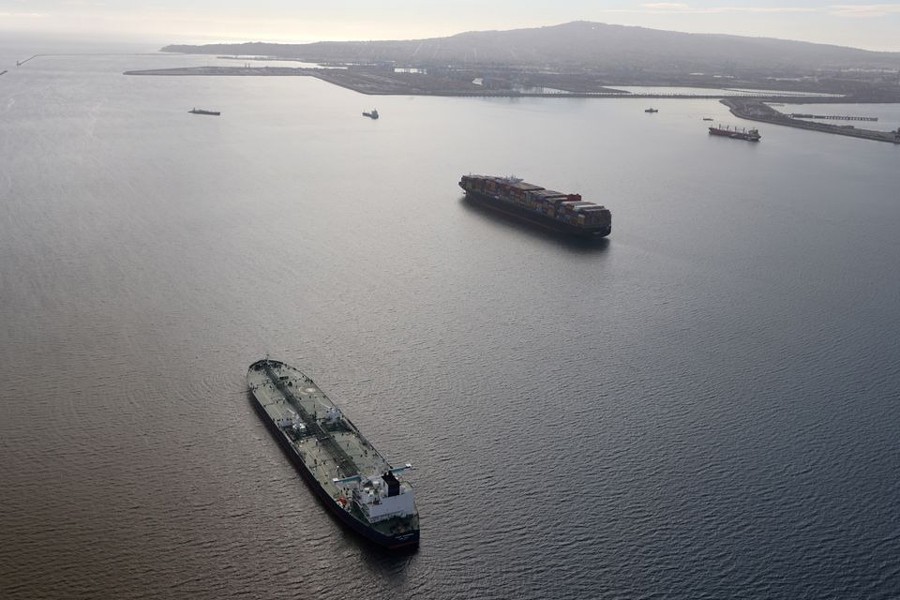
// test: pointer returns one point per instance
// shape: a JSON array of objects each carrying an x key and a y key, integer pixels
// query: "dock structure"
[
  {"x": 758, "y": 110},
  {"x": 832, "y": 117}
]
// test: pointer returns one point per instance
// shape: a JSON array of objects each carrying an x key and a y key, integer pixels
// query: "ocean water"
[{"x": 704, "y": 405}]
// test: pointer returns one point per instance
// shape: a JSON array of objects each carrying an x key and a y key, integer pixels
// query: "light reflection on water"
[{"x": 700, "y": 406}]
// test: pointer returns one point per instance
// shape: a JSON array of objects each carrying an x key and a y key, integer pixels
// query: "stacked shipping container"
[{"x": 567, "y": 210}]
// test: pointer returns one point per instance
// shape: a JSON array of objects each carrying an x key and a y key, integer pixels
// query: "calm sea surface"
[{"x": 705, "y": 405}]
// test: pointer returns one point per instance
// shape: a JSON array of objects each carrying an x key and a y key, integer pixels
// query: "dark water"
[{"x": 705, "y": 406}]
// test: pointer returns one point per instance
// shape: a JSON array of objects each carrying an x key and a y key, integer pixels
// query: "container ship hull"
[
  {"x": 338, "y": 464},
  {"x": 561, "y": 213}
]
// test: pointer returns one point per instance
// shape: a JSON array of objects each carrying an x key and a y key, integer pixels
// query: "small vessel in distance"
[
  {"x": 751, "y": 135},
  {"x": 707, "y": 118},
  {"x": 200, "y": 111},
  {"x": 565, "y": 213},
  {"x": 651, "y": 110},
  {"x": 371, "y": 115},
  {"x": 348, "y": 475}
]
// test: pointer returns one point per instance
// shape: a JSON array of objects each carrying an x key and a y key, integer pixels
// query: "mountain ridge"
[{"x": 580, "y": 45}]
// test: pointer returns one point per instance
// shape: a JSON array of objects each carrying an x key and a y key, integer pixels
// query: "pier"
[
  {"x": 757, "y": 110},
  {"x": 832, "y": 117}
]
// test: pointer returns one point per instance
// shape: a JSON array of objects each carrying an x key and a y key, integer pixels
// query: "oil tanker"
[
  {"x": 565, "y": 213},
  {"x": 348, "y": 475}
]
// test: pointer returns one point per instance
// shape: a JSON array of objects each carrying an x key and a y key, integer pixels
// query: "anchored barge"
[
  {"x": 347, "y": 474},
  {"x": 566, "y": 213}
]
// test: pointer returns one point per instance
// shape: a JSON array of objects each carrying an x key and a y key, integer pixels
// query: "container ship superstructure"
[
  {"x": 566, "y": 213},
  {"x": 348, "y": 475}
]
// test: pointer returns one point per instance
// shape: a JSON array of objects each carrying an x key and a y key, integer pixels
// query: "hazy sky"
[{"x": 848, "y": 23}]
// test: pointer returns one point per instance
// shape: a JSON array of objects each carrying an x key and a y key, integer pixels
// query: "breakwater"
[
  {"x": 373, "y": 82},
  {"x": 831, "y": 117},
  {"x": 758, "y": 110}
]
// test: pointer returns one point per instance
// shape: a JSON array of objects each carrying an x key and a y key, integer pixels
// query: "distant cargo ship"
[
  {"x": 371, "y": 115},
  {"x": 751, "y": 135},
  {"x": 566, "y": 213},
  {"x": 651, "y": 110},
  {"x": 200, "y": 111},
  {"x": 347, "y": 474}
]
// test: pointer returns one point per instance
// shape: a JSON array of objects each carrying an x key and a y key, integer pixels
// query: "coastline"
[{"x": 376, "y": 82}]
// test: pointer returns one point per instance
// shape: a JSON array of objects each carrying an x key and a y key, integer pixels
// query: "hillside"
[{"x": 583, "y": 46}]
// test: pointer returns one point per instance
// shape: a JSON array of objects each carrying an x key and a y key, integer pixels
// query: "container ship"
[
  {"x": 751, "y": 135},
  {"x": 566, "y": 213},
  {"x": 203, "y": 111},
  {"x": 348, "y": 475}
]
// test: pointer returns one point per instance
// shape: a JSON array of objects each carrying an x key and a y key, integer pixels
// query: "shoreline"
[
  {"x": 375, "y": 83},
  {"x": 752, "y": 107}
]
